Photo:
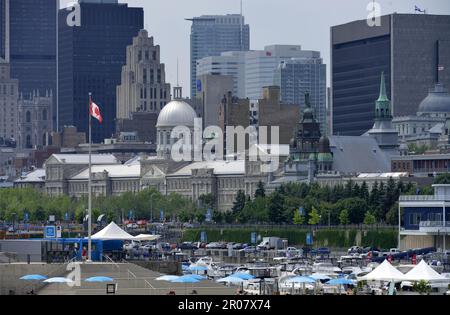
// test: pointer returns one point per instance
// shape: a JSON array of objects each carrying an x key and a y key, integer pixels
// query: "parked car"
[
  {"x": 237, "y": 246},
  {"x": 250, "y": 249},
  {"x": 132, "y": 226},
  {"x": 213, "y": 245},
  {"x": 321, "y": 251},
  {"x": 187, "y": 246},
  {"x": 355, "y": 250}
]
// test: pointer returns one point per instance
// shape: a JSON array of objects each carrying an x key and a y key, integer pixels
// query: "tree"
[
  {"x": 422, "y": 287},
  {"x": 314, "y": 217},
  {"x": 298, "y": 219},
  {"x": 239, "y": 203},
  {"x": 207, "y": 201},
  {"x": 260, "y": 190},
  {"x": 369, "y": 219},
  {"x": 276, "y": 207},
  {"x": 364, "y": 191},
  {"x": 343, "y": 217},
  {"x": 443, "y": 179}
]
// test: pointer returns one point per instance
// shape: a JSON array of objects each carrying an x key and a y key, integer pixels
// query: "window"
[
  {"x": 44, "y": 114},
  {"x": 414, "y": 218},
  {"x": 28, "y": 117}
]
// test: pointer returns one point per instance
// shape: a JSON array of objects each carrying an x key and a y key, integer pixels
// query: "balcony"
[
  {"x": 422, "y": 198},
  {"x": 434, "y": 226}
]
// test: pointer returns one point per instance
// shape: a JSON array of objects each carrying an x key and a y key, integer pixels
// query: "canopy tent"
[
  {"x": 384, "y": 272},
  {"x": 147, "y": 237},
  {"x": 112, "y": 232},
  {"x": 424, "y": 272}
]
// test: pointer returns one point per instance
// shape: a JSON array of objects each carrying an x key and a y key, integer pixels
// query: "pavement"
[{"x": 131, "y": 279}]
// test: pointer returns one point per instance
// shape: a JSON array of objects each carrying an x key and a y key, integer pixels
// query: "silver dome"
[
  {"x": 176, "y": 113},
  {"x": 437, "y": 101}
]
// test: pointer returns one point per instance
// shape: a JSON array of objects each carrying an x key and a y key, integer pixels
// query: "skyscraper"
[
  {"x": 91, "y": 57},
  {"x": 413, "y": 50},
  {"x": 261, "y": 65},
  {"x": 28, "y": 42},
  {"x": 213, "y": 34},
  {"x": 298, "y": 76}
]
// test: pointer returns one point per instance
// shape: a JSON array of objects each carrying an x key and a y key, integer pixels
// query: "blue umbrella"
[
  {"x": 99, "y": 279},
  {"x": 167, "y": 278},
  {"x": 198, "y": 268},
  {"x": 58, "y": 280},
  {"x": 185, "y": 279},
  {"x": 318, "y": 276},
  {"x": 341, "y": 281},
  {"x": 243, "y": 276},
  {"x": 33, "y": 277},
  {"x": 197, "y": 277}
]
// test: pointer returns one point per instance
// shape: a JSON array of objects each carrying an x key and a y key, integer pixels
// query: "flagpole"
[{"x": 90, "y": 184}]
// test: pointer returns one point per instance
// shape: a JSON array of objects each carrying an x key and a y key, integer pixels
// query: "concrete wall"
[{"x": 10, "y": 275}]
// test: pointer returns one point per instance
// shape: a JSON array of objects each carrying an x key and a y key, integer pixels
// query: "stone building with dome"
[{"x": 428, "y": 125}]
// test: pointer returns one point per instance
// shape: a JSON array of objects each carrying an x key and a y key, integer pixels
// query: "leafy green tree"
[
  {"x": 344, "y": 217},
  {"x": 369, "y": 219},
  {"x": 260, "y": 190},
  {"x": 364, "y": 191},
  {"x": 422, "y": 287},
  {"x": 443, "y": 179},
  {"x": 298, "y": 219},
  {"x": 314, "y": 217},
  {"x": 207, "y": 201}
]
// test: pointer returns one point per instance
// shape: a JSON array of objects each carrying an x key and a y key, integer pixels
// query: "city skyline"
[{"x": 174, "y": 40}]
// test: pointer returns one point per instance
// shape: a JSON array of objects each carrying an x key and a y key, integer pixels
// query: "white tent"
[
  {"x": 112, "y": 232},
  {"x": 384, "y": 272},
  {"x": 147, "y": 237},
  {"x": 424, "y": 272}
]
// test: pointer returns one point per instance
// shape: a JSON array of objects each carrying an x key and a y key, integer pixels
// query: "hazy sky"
[{"x": 300, "y": 22}]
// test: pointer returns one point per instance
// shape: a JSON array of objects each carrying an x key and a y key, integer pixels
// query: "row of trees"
[{"x": 343, "y": 204}]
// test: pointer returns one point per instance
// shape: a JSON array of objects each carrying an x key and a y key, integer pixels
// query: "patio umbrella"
[
  {"x": 198, "y": 277},
  {"x": 99, "y": 279},
  {"x": 58, "y": 280},
  {"x": 33, "y": 278},
  {"x": 185, "y": 279},
  {"x": 300, "y": 279},
  {"x": 243, "y": 276},
  {"x": 341, "y": 281},
  {"x": 318, "y": 276},
  {"x": 167, "y": 278},
  {"x": 197, "y": 268}
]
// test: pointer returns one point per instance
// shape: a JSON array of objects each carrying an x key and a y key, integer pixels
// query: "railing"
[
  {"x": 422, "y": 198},
  {"x": 112, "y": 261},
  {"x": 434, "y": 224},
  {"x": 293, "y": 226}
]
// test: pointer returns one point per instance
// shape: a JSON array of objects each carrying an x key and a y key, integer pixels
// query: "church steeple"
[{"x": 383, "y": 104}]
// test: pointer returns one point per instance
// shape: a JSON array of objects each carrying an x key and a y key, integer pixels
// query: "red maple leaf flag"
[{"x": 95, "y": 111}]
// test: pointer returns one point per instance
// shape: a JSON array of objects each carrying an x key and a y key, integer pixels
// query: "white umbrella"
[
  {"x": 58, "y": 281},
  {"x": 167, "y": 278}
]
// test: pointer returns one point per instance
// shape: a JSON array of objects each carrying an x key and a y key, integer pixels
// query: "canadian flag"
[{"x": 95, "y": 111}]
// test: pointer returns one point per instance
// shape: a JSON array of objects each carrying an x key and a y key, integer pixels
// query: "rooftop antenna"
[{"x": 178, "y": 83}]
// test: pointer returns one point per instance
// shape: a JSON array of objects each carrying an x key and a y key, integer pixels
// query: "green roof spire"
[
  {"x": 383, "y": 104},
  {"x": 383, "y": 95}
]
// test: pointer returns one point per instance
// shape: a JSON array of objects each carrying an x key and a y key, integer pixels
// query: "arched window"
[
  {"x": 28, "y": 145},
  {"x": 28, "y": 117},
  {"x": 44, "y": 114}
]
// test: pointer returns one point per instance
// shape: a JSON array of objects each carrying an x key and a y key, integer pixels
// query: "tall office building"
[
  {"x": 91, "y": 57},
  {"x": 230, "y": 63},
  {"x": 28, "y": 43},
  {"x": 298, "y": 76},
  {"x": 413, "y": 50},
  {"x": 143, "y": 85},
  {"x": 9, "y": 97},
  {"x": 213, "y": 34},
  {"x": 261, "y": 65}
]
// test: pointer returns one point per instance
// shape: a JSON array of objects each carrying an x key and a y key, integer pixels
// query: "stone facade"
[{"x": 35, "y": 120}]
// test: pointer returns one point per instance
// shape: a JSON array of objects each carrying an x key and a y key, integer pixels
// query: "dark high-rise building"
[
  {"x": 91, "y": 57},
  {"x": 28, "y": 43},
  {"x": 413, "y": 50},
  {"x": 212, "y": 35}
]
